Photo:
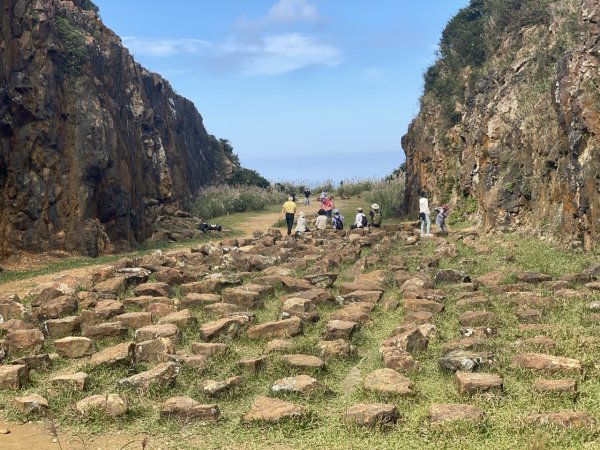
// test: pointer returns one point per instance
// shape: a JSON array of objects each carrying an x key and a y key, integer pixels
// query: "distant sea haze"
[{"x": 315, "y": 168}]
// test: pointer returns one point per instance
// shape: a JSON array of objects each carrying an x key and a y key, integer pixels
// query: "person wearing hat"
[
  {"x": 301, "y": 224},
  {"x": 375, "y": 215},
  {"x": 321, "y": 220},
  {"x": 289, "y": 209},
  {"x": 360, "y": 221},
  {"x": 337, "y": 221}
]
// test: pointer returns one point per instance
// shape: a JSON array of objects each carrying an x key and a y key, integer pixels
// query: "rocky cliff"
[
  {"x": 509, "y": 125},
  {"x": 90, "y": 141}
]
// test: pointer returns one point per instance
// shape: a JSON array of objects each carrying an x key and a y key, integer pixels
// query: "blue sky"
[{"x": 305, "y": 90}]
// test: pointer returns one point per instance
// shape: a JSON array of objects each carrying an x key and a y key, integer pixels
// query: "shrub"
[
  {"x": 215, "y": 201},
  {"x": 73, "y": 44},
  {"x": 389, "y": 195},
  {"x": 354, "y": 187}
]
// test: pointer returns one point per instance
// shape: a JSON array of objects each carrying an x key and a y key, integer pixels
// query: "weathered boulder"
[
  {"x": 118, "y": 354},
  {"x": 301, "y": 384},
  {"x": 372, "y": 414},
  {"x": 74, "y": 347},
  {"x": 272, "y": 410},
  {"x": 13, "y": 376},
  {"x": 29, "y": 404},
  {"x": 410, "y": 341},
  {"x": 109, "y": 404},
  {"x": 163, "y": 375},
  {"x": 466, "y": 361},
  {"x": 388, "y": 381},
  {"x": 447, "y": 412},
  {"x": 549, "y": 363},
  {"x": 186, "y": 408},
  {"x": 300, "y": 361},
  {"x": 183, "y": 318},
  {"x": 76, "y": 381},
  {"x": 23, "y": 340},
  {"x": 149, "y": 332},
  {"x": 568, "y": 386},
  {"x": 280, "y": 328},
  {"x": 472, "y": 383},
  {"x": 211, "y": 387},
  {"x": 154, "y": 350},
  {"x": 339, "y": 329},
  {"x": 339, "y": 348}
]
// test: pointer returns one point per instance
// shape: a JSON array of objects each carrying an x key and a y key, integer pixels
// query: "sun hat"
[
  {"x": 301, "y": 214},
  {"x": 336, "y": 211},
  {"x": 375, "y": 206},
  {"x": 359, "y": 209}
]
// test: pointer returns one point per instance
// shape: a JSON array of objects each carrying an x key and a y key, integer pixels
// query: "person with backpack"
[
  {"x": 289, "y": 209},
  {"x": 440, "y": 219},
  {"x": 375, "y": 215},
  {"x": 306, "y": 196},
  {"x": 337, "y": 221},
  {"x": 360, "y": 221}
]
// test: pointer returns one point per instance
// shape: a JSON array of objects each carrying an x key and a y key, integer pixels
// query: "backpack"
[
  {"x": 377, "y": 218},
  {"x": 364, "y": 221},
  {"x": 338, "y": 224}
]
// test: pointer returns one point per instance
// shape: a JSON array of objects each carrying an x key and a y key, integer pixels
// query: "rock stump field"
[{"x": 363, "y": 339}]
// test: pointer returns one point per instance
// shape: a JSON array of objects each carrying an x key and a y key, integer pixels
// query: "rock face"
[
  {"x": 507, "y": 136},
  {"x": 92, "y": 145}
]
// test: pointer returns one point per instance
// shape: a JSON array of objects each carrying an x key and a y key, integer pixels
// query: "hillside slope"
[
  {"x": 510, "y": 117},
  {"x": 91, "y": 143}
]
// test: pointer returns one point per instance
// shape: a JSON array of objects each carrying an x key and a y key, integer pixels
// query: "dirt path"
[{"x": 34, "y": 261}]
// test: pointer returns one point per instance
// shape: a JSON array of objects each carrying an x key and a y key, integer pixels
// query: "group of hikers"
[{"x": 327, "y": 216}]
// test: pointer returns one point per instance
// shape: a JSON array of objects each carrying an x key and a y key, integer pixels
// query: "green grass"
[{"x": 503, "y": 427}]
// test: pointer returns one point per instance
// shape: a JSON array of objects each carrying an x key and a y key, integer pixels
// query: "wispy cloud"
[
  {"x": 283, "y": 53},
  {"x": 254, "y": 51},
  {"x": 164, "y": 47}
]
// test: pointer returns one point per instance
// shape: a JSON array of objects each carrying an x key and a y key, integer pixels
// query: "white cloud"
[
  {"x": 283, "y": 53},
  {"x": 288, "y": 11},
  {"x": 164, "y": 47}
]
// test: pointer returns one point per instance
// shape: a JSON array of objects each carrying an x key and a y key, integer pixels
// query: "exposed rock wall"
[
  {"x": 88, "y": 138},
  {"x": 527, "y": 144}
]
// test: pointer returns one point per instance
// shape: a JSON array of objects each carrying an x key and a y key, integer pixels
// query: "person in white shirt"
[
  {"x": 300, "y": 224},
  {"x": 424, "y": 214},
  {"x": 360, "y": 220}
]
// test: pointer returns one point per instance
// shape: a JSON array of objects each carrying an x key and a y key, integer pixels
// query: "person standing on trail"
[
  {"x": 424, "y": 214},
  {"x": 440, "y": 219},
  {"x": 289, "y": 209},
  {"x": 306, "y": 196}
]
